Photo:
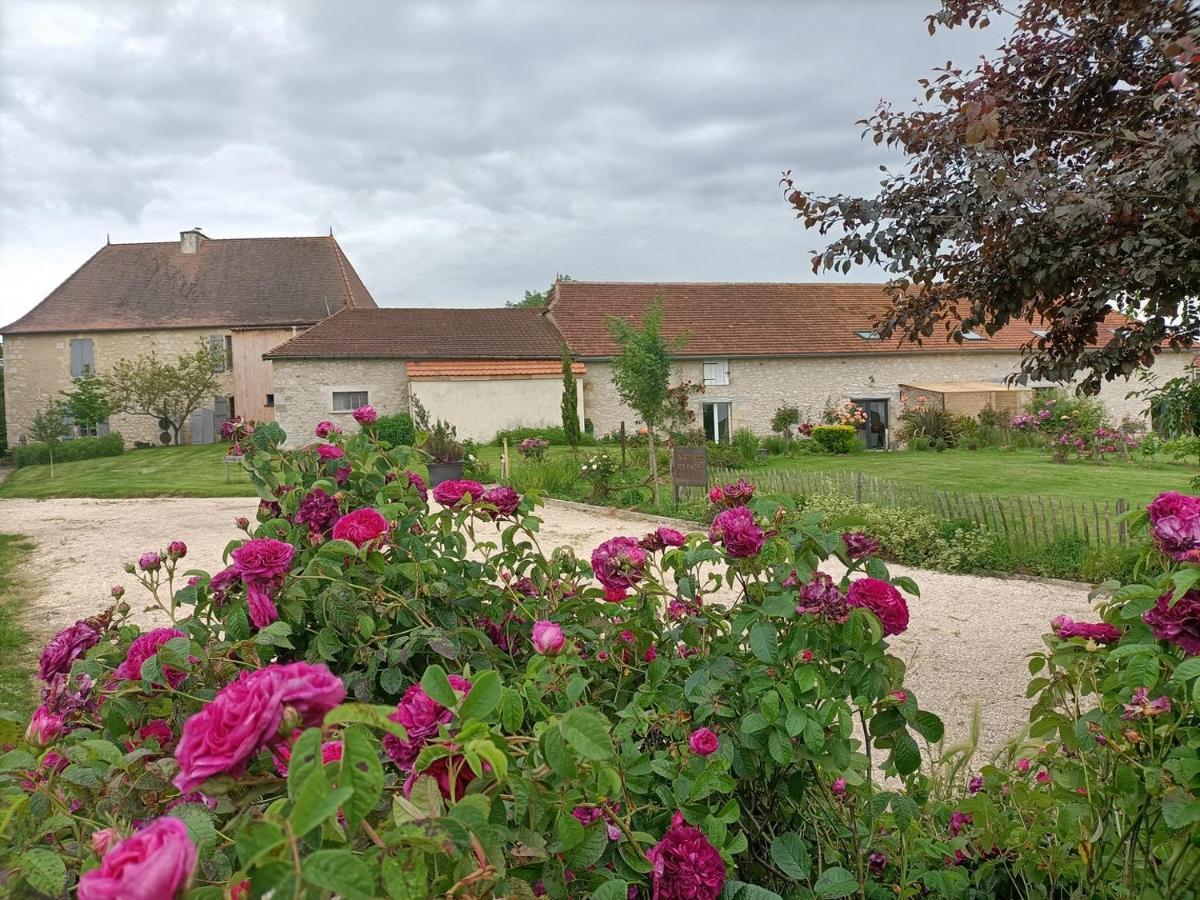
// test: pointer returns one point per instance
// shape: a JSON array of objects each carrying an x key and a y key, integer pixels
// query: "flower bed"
[{"x": 372, "y": 698}]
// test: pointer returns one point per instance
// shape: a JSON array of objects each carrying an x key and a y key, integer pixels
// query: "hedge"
[
  {"x": 552, "y": 433},
  {"x": 835, "y": 438},
  {"x": 37, "y": 454},
  {"x": 398, "y": 430}
]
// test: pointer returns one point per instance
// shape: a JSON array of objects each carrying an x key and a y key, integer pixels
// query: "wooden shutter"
[
  {"x": 220, "y": 409},
  {"x": 83, "y": 357}
]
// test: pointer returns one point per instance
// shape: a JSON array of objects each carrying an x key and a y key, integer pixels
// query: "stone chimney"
[{"x": 189, "y": 241}]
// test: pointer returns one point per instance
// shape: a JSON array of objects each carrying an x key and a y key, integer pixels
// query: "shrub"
[
  {"x": 35, "y": 454},
  {"x": 724, "y": 456},
  {"x": 835, "y": 438},
  {"x": 745, "y": 442},
  {"x": 785, "y": 419},
  {"x": 775, "y": 445},
  {"x": 1061, "y": 557},
  {"x": 397, "y": 429},
  {"x": 533, "y": 448},
  {"x": 375, "y": 709},
  {"x": 939, "y": 428},
  {"x": 551, "y": 433},
  {"x": 476, "y": 467},
  {"x": 558, "y": 476}
]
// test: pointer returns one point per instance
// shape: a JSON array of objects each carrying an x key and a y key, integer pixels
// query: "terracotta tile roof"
[
  {"x": 410, "y": 333},
  {"x": 752, "y": 319},
  {"x": 473, "y": 368},
  {"x": 241, "y": 282}
]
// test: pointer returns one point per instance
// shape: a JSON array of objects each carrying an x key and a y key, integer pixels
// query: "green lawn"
[
  {"x": 1004, "y": 473},
  {"x": 194, "y": 471},
  {"x": 17, "y": 650}
]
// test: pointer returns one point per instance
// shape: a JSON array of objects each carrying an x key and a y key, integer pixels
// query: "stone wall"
[
  {"x": 478, "y": 408},
  {"x": 757, "y": 387},
  {"x": 38, "y": 366},
  {"x": 304, "y": 391}
]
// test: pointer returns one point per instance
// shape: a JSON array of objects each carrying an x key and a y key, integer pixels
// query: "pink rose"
[
  {"x": 64, "y": 648},
  {"x": 883, "y": 600},
  {"x": 221, "y": 582},
  {"x": 103, "y": 839},
  {"x": 176, "y": 550},
  {"x": 325, "y": 429},
  {"x": 451, "y": 773},
  {"x": 44, "y": 727},
  {"x": 1101, "y": 632},
  {"x": 703, "y": 742},
  {"x": 417, "y": 483},
  {"x": 505, "y": 499},
  {"x": 548, "y": 638},
  {"x": 330, "y": 451},
  {"x": 685, "y": 866},
  {"x": 360, "y": 527},
  {"x": 619, "y": 563},
  {"x": 149, "y": 562},
  {"x": 158, "y": 730},
  {"x": 736, "y": 530},
  {"x": 1177, "y": 622},
  {"x": 420, "y": 715},
  {"x": 246, "y": 716},
  {"x": 661, "y": 538},
  {"x": 145, "y": 646},
  {"x": 1175, "y": 525},
  {"x": 860, "y": 544},
  {"x": 452, "y": 493},
  {"x": 737, "y": 494},
  {"x": 365, "y": 415},
  {"x": 262, "y": 558},
  {"x": 331, "y": 751},
  {"x": 155, "y": 863}
]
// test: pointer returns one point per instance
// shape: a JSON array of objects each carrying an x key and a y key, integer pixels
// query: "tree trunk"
[
  {"x": 50, "y": 451},
  {"x": 176, "y": 428},
  {"x": 653, "y": 463}
]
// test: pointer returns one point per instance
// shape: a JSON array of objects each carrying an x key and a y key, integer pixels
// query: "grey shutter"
[
  {"x": 220, "y": 409},
  {"x": 83, "y": 357},
  {"x": 216, "y": 346},
  {"x": 102, "y": 427}
]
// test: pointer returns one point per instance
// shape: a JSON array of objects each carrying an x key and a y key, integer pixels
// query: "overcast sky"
[{"x": 462, "y": 152}]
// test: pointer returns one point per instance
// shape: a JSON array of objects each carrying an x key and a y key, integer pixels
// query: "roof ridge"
[
  {"x": 225, "y": 240},
  {"x": 879, "y": 284},
  {"x": 337, "y": 254}
]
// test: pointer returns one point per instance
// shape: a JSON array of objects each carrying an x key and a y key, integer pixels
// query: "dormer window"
[
  {"x": 1040, "y": 332},
  {"x": 869, "y": 335},
  {"x": 972, "y": 336}
]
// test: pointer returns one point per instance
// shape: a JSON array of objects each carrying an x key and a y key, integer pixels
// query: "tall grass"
[
  {"x": 16, "y": 650},
  {"x": 557, "y": 476}
]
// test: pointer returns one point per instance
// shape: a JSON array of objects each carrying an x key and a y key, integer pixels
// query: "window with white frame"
[
  {"x": 716, "y": 371},
  {"x": 348, "y": 401}
]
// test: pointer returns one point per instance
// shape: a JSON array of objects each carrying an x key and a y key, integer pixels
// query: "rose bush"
[{"x": 443, "y": 707}]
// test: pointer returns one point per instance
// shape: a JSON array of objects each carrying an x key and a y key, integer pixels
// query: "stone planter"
[{"x": 439, "y": 472}]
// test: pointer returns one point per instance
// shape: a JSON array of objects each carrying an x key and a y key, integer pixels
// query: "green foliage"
[
  {"x": 49, "y": 427},
  {"x": 775, "y": 444},
  {"x": 745, "y": 443},
  {"x": 1175, "y": 404},
  {"x": 570, "y": 402},
  {"x": 442, "y": 445},
  {"x": 88, "y": 401},
  {"x": 552, "y": 433},
  {"x": 17, "y": 657},
  {"x": 475, "y": 466},
  {"x": 397, "y": 429},
  {"x": 940, "y": 430},
  {"x": 784, "y": 420},
  {"x": 835, "y": 438},
  {"x": 169, "y": 391},
  {"x": 36, "y": 454}
]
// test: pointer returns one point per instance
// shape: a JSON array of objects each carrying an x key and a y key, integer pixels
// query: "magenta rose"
[
  {"x": 158, "y": 730},
  {"x": 505, "y": 499},
  {"x": 331, "y": 751},
  {"x": 222, "y": 582},
  {"x": 420, "y": 715},
  {"x": 365, "y": 415},
  {"x": 548, "y": 638},
  {"x": 883, "y": 600},
  {"x": 155, "y": 863},
  {"x": 453, "y": 493},
  {"x": 263, "y": 558},
  {"x": 619, "y": 563},
  {"x": 860, "y": 544},
  {"x": 330, "y": 451},
  {"x": 64, "y": 648},
  {"x": 325, "y": 429},
  {"x": 246, "y": 716},
  {"x": 736, "y": 530},
  {"x": 318, "y": 510},
  {"x": 44, "y": 727},
  {"x": 451, "y": 774},
  {"x": 145, "y": 646},
  {"x": 360, "y": 527},
  {"x": 703, "y": 742},
  {"x": 418, "y": 483},
  {"x": 1175, "y": 525},
  {"x": 737, "y": 494},
  {"x": 149, "y": 562},
  {"x": 662, "y": 538},
  {"x": 1178, "y": 623},
  {"x": 685, "y": 865},
  {"x": 176, "y": 550},
  {"x": 1101, "y": 632},
  {"x": 103, "y": 839}
]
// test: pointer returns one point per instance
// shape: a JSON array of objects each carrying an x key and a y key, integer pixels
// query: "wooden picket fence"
[{"x": 1024, "y": 519}]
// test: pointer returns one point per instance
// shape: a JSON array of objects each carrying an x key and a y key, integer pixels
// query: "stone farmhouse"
[
  {"x": 754, "y": 347},
  {"x": 242, "y": 296}
]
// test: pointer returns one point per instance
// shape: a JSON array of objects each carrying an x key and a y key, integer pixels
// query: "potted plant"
[{"x": 445, "y": 453}]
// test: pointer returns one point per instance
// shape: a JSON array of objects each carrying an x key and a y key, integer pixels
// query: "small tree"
[
  {"x": 149, "y": 386},
  {"x": 49, "y": 427},
  {"x": 570, "y": 402},
  {"x": 88, "y": 403},
  {"x": 642, "y": 373}
]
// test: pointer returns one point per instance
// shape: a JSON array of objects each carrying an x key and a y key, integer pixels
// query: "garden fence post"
[
  {"x": 622, "y": 445},
  {"x": 858, "y": 488},
  {"x": 1121, "y": 535},
  {"x": 504, "y": 470}
]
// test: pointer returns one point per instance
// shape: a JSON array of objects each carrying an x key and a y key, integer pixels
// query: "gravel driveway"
[{"x": 966, "y": 644}]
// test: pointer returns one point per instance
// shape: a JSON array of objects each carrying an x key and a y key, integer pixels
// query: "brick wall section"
[
  {"x": 757, "y": 387},
  {"x": 304, "y": 391},
  {"x": 38, "y": 366}
]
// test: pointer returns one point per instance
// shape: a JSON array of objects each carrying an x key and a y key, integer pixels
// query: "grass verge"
[{"x": 16, "y": 645}]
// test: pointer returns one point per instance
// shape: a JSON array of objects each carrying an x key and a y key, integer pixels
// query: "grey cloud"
[{"x": 463, "y": 151}]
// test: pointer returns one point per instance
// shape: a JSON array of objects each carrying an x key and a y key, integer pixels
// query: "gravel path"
[{"x": 966, "y": 644}]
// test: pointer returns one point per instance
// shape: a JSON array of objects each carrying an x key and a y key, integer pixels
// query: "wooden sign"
[{"x": 689, "y": 468}]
